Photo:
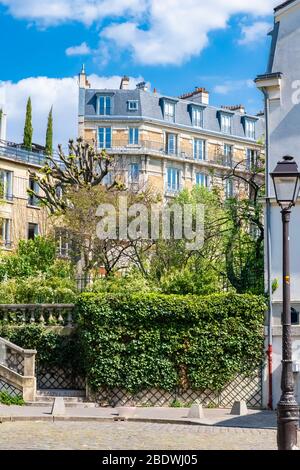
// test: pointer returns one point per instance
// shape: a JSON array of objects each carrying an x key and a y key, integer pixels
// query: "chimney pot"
[
  {"x": 124, "y": 83},
  {"x": 142, "y": 86}
]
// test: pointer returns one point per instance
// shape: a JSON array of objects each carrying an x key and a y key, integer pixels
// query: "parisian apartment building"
[
  {"x": 20, "y": 215},
  {"x": 171, "y": 143}
]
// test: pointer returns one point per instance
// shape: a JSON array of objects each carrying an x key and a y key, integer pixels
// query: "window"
[
  {"x": 229, "y": 190},
  {"x": 133, "y": 105},
  {"x": 199, "y": 149},
  {"x": 104, "y": 137},
  {"x": 104, "y": 104},
  {"x": 228, "y": 154},
  {"x": 5, "y": 232},
  {"x": 63, "y": 242},
  {"x": 197, "y": 117},
  {"x": 107, "y": 180},
  {"x": 134, "y": 173},
  {"x": 202, "y": 180},
  {"x": 33, "y": 231},
  {"x": 250, "y": 128},
  {"x": 226, "y": 123},
  {"x": 251, "y": 159},
  {"x": 133, "y": 135},
  {"x": 6, "y": 190},
  {"x": 33, "y": 186},
  {"x": 169, "y": 111},
  {"x": 171, "y": 144},
  {"x": 173, "y": 179}
]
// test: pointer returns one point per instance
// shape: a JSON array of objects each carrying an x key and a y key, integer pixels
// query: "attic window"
[
  {"x": 226, "y": 123},
  {"x": 133, "y": 105}
]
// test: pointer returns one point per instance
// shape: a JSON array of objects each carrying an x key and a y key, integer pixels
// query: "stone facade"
[
  {"x": 178, "y": 153},
  {"x": 20, "y": 216}
]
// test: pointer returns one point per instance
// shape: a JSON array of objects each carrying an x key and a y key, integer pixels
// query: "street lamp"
[{"x": 286, "y": 179}]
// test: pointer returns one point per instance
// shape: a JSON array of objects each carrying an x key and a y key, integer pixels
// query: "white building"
[{"x": 281, "y": 87}]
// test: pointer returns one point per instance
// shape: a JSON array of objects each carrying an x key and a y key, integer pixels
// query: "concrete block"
[
  {"x": 58, "y": 407},
  {"x": 239, "y": 408},
  {"x": 196, "y": 411},
  {"x": 126, "y": 411}
]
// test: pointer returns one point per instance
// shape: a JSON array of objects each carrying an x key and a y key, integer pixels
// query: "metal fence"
[{"x": 247, "y": 388}]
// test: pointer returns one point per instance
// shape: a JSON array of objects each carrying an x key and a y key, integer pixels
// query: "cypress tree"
[
  {"x": 49, "y": 134},
  {"x": 28, "y": 130}
]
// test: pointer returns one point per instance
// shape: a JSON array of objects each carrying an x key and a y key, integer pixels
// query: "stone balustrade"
[
  {"x": 17, "y": 370},
  {"x": 43, "y": 314}
]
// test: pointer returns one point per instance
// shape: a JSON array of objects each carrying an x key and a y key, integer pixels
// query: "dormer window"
[
  {"x": 197, "y": 116},
  {"x": 169, "y": 111},
  {"x": 168, "y": 108},
  {"x": 226, "y": 123},
  {"x": 250, "y": 128},
  {"x": 104, "y": 105},
  {"x": 133, "y": 105}
]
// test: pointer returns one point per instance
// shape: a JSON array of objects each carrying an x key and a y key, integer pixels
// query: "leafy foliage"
[
  {"x": 53, "y": 348},
  {"x": 7, "y": 399},
  {"x": 31, "y": 257},
  {"x": 140, "y": 341}
]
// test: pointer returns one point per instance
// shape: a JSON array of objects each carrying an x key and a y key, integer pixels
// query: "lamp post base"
[{"x": 287, "y": 423}]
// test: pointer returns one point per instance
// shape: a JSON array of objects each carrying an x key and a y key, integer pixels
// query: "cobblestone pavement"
[{"x": 132, "y": 436}]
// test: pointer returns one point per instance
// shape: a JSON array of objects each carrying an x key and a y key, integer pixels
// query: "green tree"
[
  {"x": 31, "y": 258},
  {"x": 49, "y": 134},
  {"x": 28, "y": 129}
]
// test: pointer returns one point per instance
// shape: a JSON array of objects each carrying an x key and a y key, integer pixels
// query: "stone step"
[
  {"x": 67, "y": 399},
  {"x": 68, "y": 404},
  {"x": 60, "y": 393}
]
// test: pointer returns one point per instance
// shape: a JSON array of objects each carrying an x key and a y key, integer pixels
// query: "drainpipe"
[{"x": 268, "y": 254}]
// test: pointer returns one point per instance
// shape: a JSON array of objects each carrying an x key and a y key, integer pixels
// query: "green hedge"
[
  {"x": 53, "y": 348},
  {"x": 152, "y": 340}
]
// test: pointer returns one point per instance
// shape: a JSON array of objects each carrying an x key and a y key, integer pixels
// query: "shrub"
[
  {"x": 141, "y": 341},
  {"x": 7, "y": 399},
  {"x": 53, "y": 349},
  {"x": 38, "y": 290},
  {"x": 133, "y": 282}
]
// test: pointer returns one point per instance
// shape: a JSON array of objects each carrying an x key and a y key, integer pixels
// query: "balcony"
[
  {"x": 155, "y": 148},
  {"x": 12, "y": 151}
]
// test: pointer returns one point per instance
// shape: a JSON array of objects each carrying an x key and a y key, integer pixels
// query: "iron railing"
[{"x": 160, "y": 148}]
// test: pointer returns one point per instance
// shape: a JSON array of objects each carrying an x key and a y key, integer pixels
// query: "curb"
[{"x": 53, "y": 419}]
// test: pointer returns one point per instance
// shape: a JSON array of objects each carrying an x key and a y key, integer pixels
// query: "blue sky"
[{"x": 221, "y": 45}]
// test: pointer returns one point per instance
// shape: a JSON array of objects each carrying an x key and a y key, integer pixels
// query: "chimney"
[
  {"x": 199, "y": 95},
  {"x": 83, "y": 81},
  {"x": 142, "y": 86},
  {"x": 124, "y": 83},
  {"x": 239, "y": 108}
]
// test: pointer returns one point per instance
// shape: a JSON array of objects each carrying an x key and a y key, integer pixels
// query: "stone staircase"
[{"x": 72, "y": 398}]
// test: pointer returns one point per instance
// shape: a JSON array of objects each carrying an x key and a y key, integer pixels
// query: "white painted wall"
[{"x": 284, "y": 134}]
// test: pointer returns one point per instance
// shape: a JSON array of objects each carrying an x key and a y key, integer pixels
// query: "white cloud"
[
  {"x": 255, "y": 32},
  {"x": 45, "y": 92},
  {"x": 155, "y": 31},
  {"x": 179, "y": 30},
  {"x": 53, "y": 12},
  {"x": 82, "y": 49},
  {"x": 230, "y": 86}
]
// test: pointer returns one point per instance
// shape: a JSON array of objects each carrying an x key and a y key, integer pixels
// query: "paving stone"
[{"x": 64, "y": 435}]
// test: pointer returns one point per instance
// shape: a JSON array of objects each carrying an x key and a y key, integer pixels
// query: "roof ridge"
[{"x": 283, "y": 5}]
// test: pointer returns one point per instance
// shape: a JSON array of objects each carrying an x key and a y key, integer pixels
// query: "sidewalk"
[{"x": 255, "y": 419}]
